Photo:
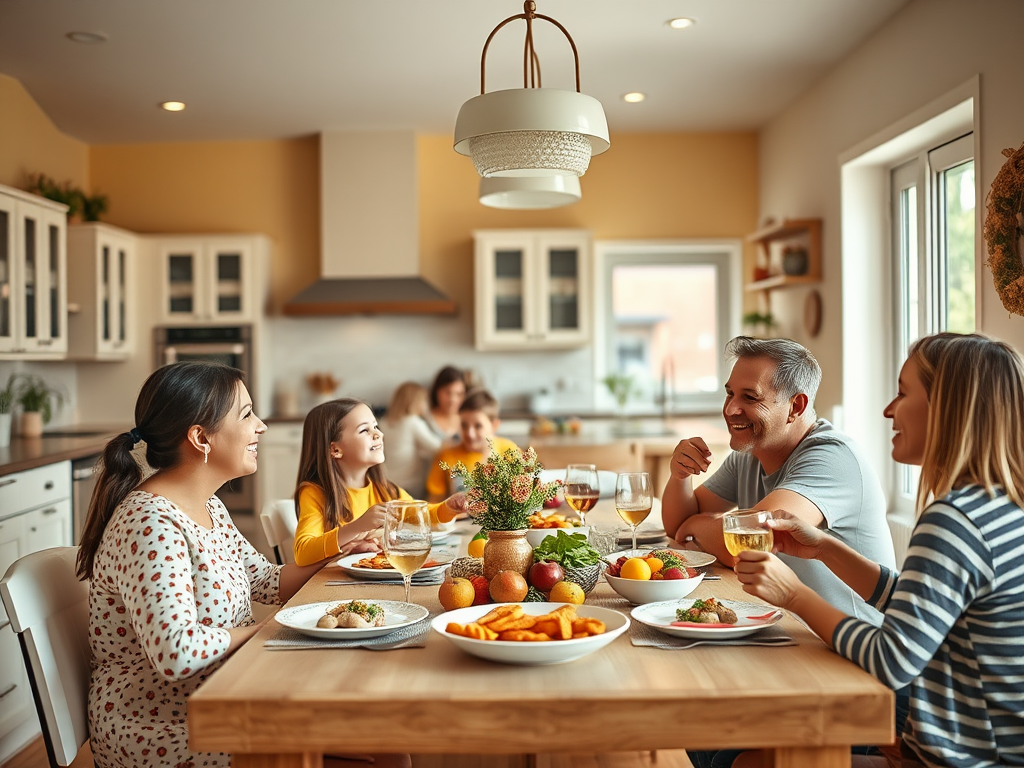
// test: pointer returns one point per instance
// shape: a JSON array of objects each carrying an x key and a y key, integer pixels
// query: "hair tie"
[{"x": 135, "y": 435}]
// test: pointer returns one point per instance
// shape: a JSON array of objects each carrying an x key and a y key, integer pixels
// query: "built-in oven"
[{"x": 231, "y": 345}]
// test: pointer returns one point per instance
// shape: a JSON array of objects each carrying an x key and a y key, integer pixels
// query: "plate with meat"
[
  {"x": 377, "y": 568},
  {"x": 707, "y": 619},
  {"x": 351, "y": 619}
]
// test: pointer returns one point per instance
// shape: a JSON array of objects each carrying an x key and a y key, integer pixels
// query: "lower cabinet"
[
  {"x": 36, "y": 515},
  {"x": 279, "y": 463}
]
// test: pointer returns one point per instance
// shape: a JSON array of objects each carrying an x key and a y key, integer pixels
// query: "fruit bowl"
[
  {"x": 641, "y": 592},
  {"x": 536, "y": 535}
]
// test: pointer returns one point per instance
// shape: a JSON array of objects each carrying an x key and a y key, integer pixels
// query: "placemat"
[{"x": 413, "y": 636}]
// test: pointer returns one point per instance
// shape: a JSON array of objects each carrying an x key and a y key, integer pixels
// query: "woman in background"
[
  {"x": 412, "y": 445},
  {"x": 446, "y": 395},
  {"x": 954, "y": 617}
]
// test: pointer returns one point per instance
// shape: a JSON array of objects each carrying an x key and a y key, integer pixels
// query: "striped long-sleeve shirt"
[{"x": 953, "y": 629}]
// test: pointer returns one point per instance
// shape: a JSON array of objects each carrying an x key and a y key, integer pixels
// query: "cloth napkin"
[{"x": 413, "y": 636}]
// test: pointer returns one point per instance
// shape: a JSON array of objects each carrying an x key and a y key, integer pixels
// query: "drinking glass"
[
  {"x": 406, "y": 537},
  {"x": 582, "y": 489},
  {"x": 747, "y": 529},
  {"x": 633, "y": 499}
]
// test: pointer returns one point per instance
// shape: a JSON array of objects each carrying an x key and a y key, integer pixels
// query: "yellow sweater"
[
  {"x": 313, "y": 543},
  {"x": 439, "y": 481}
]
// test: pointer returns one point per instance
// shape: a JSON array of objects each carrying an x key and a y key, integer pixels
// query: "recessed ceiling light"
[
  {"x": 173, "y": 106},
  {"x": 87, "y": 37},
  {"x": 681, "y": 23},
  {"x": 634, "y": 97}
]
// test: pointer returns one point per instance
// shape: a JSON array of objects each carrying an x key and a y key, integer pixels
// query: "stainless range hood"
[{"x": 369, "y": 230}]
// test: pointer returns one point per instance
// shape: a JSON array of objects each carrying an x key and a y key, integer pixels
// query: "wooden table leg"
[
  {"x": 812, "y": 757},
  {"x": 292, "y": 760}
]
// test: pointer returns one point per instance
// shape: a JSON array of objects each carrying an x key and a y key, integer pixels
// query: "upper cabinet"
[
  {"x": 101, "y": 292},
  {"x": 33, "y": 280},
  {"x": 533, "y": 288},
  {"x": 212, "y": 278},
  {"x": 789, "y": 254}
]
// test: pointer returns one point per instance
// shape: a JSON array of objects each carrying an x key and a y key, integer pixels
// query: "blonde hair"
[
  {"x": 975, "y": 388},
  {"x": 409, "y": 399}
]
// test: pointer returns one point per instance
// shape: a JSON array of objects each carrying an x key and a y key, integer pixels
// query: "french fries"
[
  {"x": 510, "y": 622},
  {"x": 554, "y": 520}
]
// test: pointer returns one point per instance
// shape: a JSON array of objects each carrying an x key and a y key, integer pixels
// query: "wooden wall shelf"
[{"x": 801, "y": 233}]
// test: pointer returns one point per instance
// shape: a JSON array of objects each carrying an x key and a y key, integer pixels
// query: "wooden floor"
[{"x": 34, "y": 756}]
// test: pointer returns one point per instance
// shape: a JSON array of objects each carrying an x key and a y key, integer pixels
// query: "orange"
[
  {"x": 476, "y": 547},
  {"x": 567, "y": 592},
  {"x": 456, "y": 593},
  {"x": 654, "y": 564},
  {"x": 636, "y": 568}
]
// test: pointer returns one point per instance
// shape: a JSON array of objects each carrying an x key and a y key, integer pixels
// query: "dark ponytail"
[{"x": 173, "y": 399}]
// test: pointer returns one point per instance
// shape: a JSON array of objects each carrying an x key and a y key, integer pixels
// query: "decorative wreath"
[{"x": 1004, "y": 221}]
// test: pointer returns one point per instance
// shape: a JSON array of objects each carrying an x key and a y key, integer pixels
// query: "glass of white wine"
[
  {"x": 633, "y": 499},
  {"x": 747, "y": 529},
  {"x": 582, "y": 489},
  {"x": 406, "y": 537}
]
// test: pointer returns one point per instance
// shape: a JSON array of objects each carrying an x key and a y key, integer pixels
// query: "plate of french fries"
[{"x": 530, "y": 633}]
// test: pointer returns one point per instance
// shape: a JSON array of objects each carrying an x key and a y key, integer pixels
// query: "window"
[
  {"x": 665, "y": 315},
  {"x": 933, "y": 200}
]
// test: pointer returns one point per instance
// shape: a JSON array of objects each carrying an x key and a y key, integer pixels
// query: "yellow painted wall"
[{"x": 30, "y": 143}]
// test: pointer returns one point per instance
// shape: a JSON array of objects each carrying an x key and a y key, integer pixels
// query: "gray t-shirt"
[{"x": 828, "y": 469}]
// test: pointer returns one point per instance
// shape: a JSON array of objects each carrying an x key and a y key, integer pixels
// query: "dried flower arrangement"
[{"x": 1004, "y": 220}]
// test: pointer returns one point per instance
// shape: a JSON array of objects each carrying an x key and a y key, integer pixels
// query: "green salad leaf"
[{"x": 570, "y": 550}]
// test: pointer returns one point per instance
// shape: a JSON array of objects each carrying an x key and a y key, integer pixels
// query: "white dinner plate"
[
  {"x": 661, "y": 615},
  {"x": 643, "y": 536},
  {"x": 347, "y": 564},
  {"x": 550, "y": 652},
  {"x": 303, "y": 618},
  {"x": 436, "y": 536},
  {"x": 692, "y": 558}
]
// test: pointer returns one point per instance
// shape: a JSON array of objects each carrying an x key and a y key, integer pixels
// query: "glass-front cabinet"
[
  {"x": 101, "y": 292},
  {"x": 211, "y": 279},
  {"x": 33, "y": 283},
  {"x": 532, "y": 288}
]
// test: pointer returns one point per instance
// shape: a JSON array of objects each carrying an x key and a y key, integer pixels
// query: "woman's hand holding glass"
[
  {"x": 765, "y": 576},
  {"x": 406, "y": 537},
  {"x": 796, "y": 537}
]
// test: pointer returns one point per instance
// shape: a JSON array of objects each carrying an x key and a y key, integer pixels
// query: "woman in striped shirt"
[{"x": 954, "y": 617}]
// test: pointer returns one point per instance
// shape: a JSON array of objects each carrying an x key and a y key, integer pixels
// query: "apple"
[
  {"x": 554, "y": 503},
  {"x": 545, "y": 574},
  {"x": 674, "y": 572}
]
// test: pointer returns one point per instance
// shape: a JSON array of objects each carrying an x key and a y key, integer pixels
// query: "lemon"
[
  {"x": 636, "y": 568},
  {"x": 476, "y": 545},
  {"x": 656, "y": 564},
  {"x": 567, "y": 592}
]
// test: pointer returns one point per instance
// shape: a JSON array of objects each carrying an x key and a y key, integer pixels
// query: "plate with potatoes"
[
  {"x": 351, "y": 619},
  {"x": 530, "y": 633}
]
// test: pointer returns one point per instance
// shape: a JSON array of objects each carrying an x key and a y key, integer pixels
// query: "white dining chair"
[
  {"x": 279, "y": 520},
  {"x": 48, "y": 607}
]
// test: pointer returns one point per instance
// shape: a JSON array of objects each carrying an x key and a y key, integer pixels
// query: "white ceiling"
[{"x": 258, "y": 69}]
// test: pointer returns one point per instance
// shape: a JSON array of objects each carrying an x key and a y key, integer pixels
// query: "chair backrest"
[
  {"x": 49, "y": 611},
  {"x": 279, "y": 521},
  {"x": 617, "y": 456}
]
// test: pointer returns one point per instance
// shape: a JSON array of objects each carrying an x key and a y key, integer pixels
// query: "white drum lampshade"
[{"x": 529, "y": 192}]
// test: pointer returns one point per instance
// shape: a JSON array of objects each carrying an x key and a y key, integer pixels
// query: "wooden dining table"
[{"x": 286, "y": 708}]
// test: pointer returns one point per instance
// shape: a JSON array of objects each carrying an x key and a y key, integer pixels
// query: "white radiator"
[{"x": 900, "y": 530}]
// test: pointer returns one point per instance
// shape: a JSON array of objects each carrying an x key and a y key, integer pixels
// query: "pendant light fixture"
[{"x": 528, "y": 137}]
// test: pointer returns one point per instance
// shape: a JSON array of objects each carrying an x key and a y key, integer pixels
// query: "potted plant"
[
  {"x": 621, "y": 387},
  {"x": 6, "y": 403},
  {"x": 502, "y": 492},
  {"x": 760, "y": 323},
  {"x": 36, "y": 399}
]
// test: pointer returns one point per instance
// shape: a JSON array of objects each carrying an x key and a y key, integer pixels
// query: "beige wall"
[{"x": 30, "y": 143}]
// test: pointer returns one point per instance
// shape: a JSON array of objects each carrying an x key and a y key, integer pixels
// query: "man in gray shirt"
[{"x": 784, "y": 458}]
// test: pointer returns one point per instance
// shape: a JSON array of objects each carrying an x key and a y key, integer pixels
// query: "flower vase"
[
  {"x": 31, "y": 424},
  {"x": 507, "y": 551}
]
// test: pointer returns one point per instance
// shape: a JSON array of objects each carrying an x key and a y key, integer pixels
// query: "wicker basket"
[
  {"x": 586, "y": 577},
  {"x": 467, "y": 566}
]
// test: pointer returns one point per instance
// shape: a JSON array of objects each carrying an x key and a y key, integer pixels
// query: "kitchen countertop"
[{"x": 64, "y": 444}]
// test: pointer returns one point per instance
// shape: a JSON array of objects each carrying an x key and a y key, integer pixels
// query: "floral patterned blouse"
[{"x": 164, "y": 592}]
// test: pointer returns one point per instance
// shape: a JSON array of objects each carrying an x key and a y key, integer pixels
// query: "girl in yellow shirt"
[{"x": 342, "y": 486}]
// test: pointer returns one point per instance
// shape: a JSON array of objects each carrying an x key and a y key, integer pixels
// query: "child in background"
[
  {"x": 411, "y": 442},
  {"x": 478, "y": 418},
  {"x": 342, "y": 488}
]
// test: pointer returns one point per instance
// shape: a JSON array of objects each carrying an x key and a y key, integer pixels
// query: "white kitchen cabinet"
[
  {"x": 35, "y": 514},
  {"x": 212, "y": 278},
  {"x": 101, "y": 289},
  {"x": 279, "y": 462},
  {"x": 33, "y": 277},
  {"x": 533, "y": 289}
]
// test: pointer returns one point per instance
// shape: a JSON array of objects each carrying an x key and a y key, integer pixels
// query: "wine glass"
[
  {"x": 406, "y": 537},
  {"x": 633, "y": 499},
  {"x": 582, "y": 489},
  {"x": 747, "y": 529}
]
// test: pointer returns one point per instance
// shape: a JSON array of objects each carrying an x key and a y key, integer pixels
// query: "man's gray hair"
[{"x": 796, "y": 370}]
